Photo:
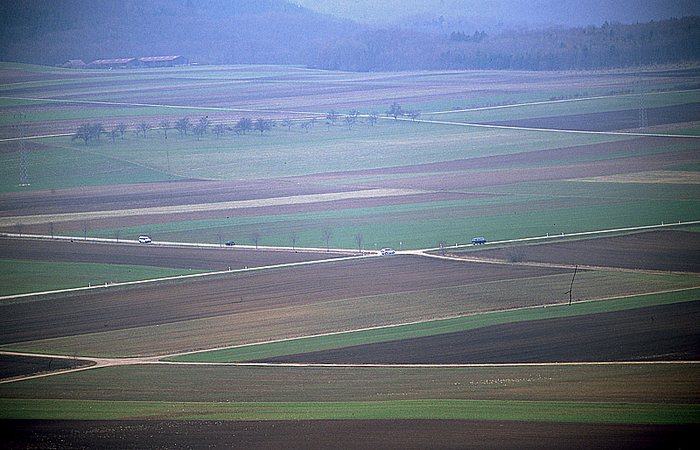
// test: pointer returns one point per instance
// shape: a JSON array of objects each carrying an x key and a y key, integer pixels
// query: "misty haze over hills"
[
  {"x": 486, "y": 14},
  {"x": 445, "y": 34}
]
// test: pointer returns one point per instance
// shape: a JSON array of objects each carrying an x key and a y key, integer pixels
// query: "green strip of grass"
[
  {"x": 436, "y": 327},
  {"x": 19, "y": 277},
  {"x": 532, "y": 411}
]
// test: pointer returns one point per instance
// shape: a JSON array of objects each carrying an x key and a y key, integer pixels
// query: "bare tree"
[
  {"x": 255, "y": 237},
  {"x": 121, "y": 127},
  {"x": 19, "y": 226},
  {"x": 372, "y": 119},
  {"x": 288, "y": 123},
  {"x": 182, "y": 125},
  {"x": 142, "y": 128},
  {"x": 327, "y": 234},
  {"x": 97, "y": 130},
  {"x": 164, "y": 125},
  {"x": 293, "y": 236},
  {"x": 201, "y": 128},
  {"x": 84, "y": 132},
  {"x": 395, "y": 110},
  {"x": 331, "y": 117},
  {"x": 263, "y": 125},
  {"x": 85, "y": 230},
  {"x": 305, "y": 126},
  {"x": 349, "y": 121},
  {"x": 219, "y": 130},
  {"x": 116, "y": 234},
  {"x": 113, "y": 134},
  {"x": 244, "y": 124},
  {"x": 359, "y": 239},
  {"x": 443, "y": 244},
  {"x": 51, "y": 229}
]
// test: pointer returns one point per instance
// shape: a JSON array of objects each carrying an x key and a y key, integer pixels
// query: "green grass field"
[
  {"x": 19, "y": 277},
  {"x": 537, "y": 411}
]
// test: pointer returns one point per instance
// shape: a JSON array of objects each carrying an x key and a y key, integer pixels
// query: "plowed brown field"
[
  {"x": 654, "y": 250},
  {"x": 324, "y": 434},
  {"x": 244, "y": 292}
]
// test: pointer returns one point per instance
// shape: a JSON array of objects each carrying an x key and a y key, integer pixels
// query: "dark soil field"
[
  {"x": 658, "y": 333},
  {"x": 360, "y": 434},
  {"x": 127, "y": 307},
  {"x": 14, "y": 366},
  {"x": 612, "y": 120},
  {"x": 150, "y": 255},
  {"x": 655, "y": 250}
]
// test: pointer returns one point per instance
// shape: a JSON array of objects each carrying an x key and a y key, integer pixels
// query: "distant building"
[
  {"x": 74, "y": 64},
  {"x": 120, "y": 63},
  {"x": 163, "y": 61}
]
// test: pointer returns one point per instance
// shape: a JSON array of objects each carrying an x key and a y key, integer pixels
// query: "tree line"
[
  {"x": 92, "y": 132},
  {"x": 607, "y": 46}
]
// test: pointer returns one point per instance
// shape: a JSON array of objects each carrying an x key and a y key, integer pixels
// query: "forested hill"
[
  {"x": 279, "y": 32},
  {"x": 606, "y": 46}
]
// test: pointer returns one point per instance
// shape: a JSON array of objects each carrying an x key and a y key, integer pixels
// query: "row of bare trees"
[{"x": 93, "y": 131}]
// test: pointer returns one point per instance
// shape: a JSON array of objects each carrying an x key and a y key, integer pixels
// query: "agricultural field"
[{"x": 300, "y": 333}]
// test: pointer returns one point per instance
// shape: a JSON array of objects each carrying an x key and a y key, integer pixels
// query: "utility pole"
[
  {"x": 571, "y": 288},
  {"x": 23, "y": 175}
]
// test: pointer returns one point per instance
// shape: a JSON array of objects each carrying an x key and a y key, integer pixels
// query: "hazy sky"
[{"x": 533, "y": 12}]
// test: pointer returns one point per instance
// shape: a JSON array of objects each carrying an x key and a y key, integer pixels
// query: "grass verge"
[{"x": 539, "y": 411}]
